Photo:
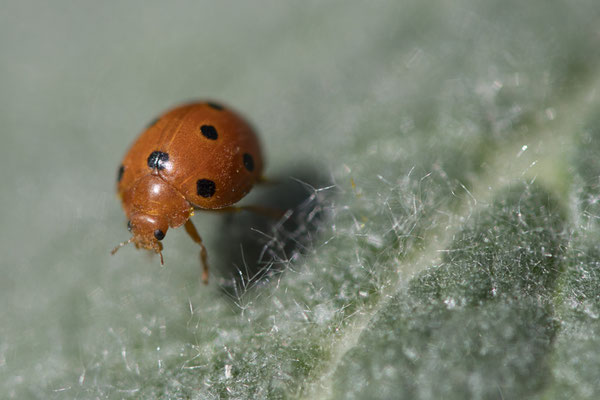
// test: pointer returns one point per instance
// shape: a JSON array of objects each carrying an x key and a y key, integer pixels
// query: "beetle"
[{"x": 197, "y": 156}]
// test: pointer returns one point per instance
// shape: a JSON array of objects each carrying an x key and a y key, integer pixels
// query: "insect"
[{"x": 198, "y": 156}]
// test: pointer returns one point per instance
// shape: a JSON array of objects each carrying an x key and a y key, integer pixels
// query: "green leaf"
[
  {"x": 439, "y": 161},
  {"x": 479, "y": 325}
]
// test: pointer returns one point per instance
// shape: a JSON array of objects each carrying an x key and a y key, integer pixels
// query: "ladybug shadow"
[{"x": 255, "y": 249}]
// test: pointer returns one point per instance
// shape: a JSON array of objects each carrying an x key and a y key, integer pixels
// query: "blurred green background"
[{"x": 439, "y": 159}]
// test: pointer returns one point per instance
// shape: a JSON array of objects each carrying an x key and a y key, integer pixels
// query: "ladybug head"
[{"x": 147, "y": 231}]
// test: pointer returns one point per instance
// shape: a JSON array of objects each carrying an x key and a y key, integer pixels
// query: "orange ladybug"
[{"x": 196, "y": 156}]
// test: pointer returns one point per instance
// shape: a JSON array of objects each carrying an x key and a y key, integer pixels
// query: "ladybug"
[{"x": 198, "y": 156}]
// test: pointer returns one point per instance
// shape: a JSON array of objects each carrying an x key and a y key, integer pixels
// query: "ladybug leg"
[
  {"x": 191, "y": 230},
  {"x": 262, "y": 180},
  {"x": 266, "y": 211}
]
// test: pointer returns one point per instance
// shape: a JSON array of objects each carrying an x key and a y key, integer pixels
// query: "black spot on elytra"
[
  {"x": 216, "y": 106},
  {"x": 158, "y": 160},
  {"x": 159, "y": 235},
  {"x": 129, "y": 225},
  {"x": 209, "y": 132},
  {"x": 205, "y": 188},
  {"x": 248, "y": 162},
  {"x": 120, "y": 173}
]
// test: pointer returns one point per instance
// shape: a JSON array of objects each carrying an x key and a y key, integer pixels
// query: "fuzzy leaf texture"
[{"x": 439, "y": 161}]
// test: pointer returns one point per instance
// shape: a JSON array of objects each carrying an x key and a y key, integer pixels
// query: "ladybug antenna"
[
  {"x": 120, "y": 245},
  {"x": 162, "y": 262}
]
